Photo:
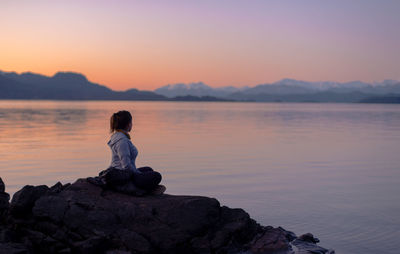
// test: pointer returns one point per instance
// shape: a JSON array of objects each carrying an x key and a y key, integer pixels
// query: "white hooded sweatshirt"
[{"x": 124, "y": 153}]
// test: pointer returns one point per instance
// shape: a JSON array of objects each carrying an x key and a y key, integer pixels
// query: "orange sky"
[{"x": 148, "y": 44}]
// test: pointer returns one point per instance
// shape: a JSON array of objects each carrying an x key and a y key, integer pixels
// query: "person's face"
[{"x": 129, "y": 128}]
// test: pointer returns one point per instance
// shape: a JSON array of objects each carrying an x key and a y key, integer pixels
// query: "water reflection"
[
  {"x": 331, "y": 169},
  {"x": 44, "y": 116}
]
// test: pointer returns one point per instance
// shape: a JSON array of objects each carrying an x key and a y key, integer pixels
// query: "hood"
[{"x": 117, "y": 136}]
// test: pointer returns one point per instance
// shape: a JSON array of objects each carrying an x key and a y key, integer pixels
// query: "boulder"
[
  {"x": 4, "y": 201},
  {"x": 24, "y": 199},
  {"x": 85, "y": 218},
  {"x": 2, "y": 186},
  {"x": 308, "y": 238}
]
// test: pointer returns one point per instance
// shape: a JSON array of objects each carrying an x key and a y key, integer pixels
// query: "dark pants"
[{"x": 148, "y": 179}]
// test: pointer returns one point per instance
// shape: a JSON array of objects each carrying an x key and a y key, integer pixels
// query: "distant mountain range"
[
  {"x": 63, "y": 86},
  {"x": 75, "y": 86},
  {"x": 290, "y": 90},
  {"x": 196, "y": 89}
]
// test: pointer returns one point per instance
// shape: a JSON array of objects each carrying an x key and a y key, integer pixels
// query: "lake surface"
[{"x": 329, "y": 169}]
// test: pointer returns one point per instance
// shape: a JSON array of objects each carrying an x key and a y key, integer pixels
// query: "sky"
[{"x": 147, "y": 44}]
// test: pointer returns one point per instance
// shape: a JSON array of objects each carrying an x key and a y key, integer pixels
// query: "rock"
[
  {"x": 2, "y": 186},
  {"x": 308, "y": 238},
  {"x": 54, "y": 212},
  {"x": 134, "y": 241},
  {"x": 4, "y": 204},
  {"x": 309, "y": 248},
  {"x": 24, "y": 199},
  {"x": 56, "y": 187},
  {"x": 85, "y": 218},
  {"x": 4, "y": 201},
  {"x": 13, "y": 248},
  {"x": 91, "y": 245},
  {"x": 272, "y": 240}
]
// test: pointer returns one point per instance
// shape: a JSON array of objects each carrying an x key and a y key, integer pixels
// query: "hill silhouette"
[
  {"x": 63, "y": 86},
  {"x": 75, "y": 86},
  {"x": 290, "y": 90}
]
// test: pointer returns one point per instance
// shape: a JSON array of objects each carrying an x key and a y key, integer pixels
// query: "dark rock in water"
[
  {"x": 308, "y": 238},
  {"x": 84, "y": 218},
  {"x": 306, "y": 243},
  {"x": 303, "y": 247}
]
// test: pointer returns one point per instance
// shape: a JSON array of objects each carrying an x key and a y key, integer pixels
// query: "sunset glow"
[{"x": 148, "y": 44}]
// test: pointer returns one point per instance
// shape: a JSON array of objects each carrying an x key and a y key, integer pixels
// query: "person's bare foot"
[{"x": 159, "y": 190}]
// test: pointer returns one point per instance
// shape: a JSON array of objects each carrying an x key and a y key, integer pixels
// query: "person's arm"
[{"x": 124, "y": 154}]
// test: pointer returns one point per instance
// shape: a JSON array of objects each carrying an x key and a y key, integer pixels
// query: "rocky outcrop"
[
  {"x": 4, "y": 199},
  {"x": 84, "y": 218}
]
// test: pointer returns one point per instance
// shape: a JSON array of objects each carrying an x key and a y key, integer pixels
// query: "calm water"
[{"x": 329, "y": 169}]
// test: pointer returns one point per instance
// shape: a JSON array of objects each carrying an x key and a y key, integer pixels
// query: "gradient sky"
[{"x": 148, "y": 44}]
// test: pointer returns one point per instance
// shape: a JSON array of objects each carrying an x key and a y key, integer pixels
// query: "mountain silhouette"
[
  {"x": 290, "y": 90},
  {"x": 198, "y": 89},
  {"x": 63, "y": 86},
  {"x": 75, "y": 86}
]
